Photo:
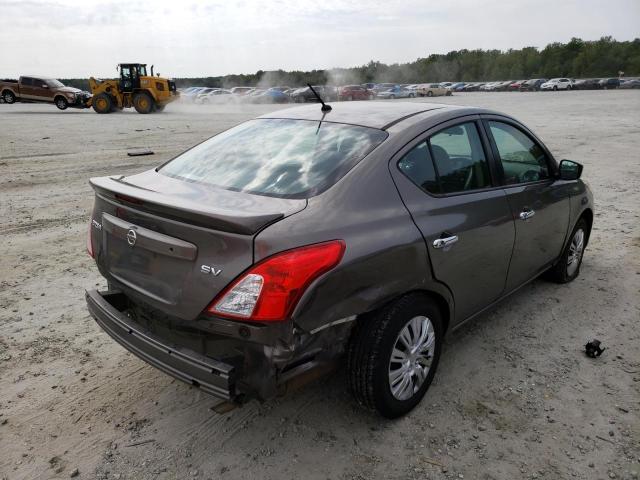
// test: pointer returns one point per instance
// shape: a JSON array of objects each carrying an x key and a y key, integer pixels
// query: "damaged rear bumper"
[{"x": 212, "y": 376}]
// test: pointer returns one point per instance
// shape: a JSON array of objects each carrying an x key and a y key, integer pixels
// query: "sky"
[{"x": 182, "y": 38}]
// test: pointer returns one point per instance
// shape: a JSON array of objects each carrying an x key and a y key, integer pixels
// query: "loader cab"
[{"x": 130, "y": 74}]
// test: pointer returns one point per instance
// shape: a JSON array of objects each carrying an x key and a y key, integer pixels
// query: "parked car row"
[
  {"x": 542, "y": 84},
  {"x": 284, "y": 94},
  {"x": 371, "y": 91}
]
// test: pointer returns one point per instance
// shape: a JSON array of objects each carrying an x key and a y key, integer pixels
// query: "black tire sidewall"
[
  {"x": 65, "y": 104},
  {"x": 385, "y": 402},
  {"x": 561, "y": 275},
  {"x": 565, "y": 255},
  {"x": 9, "y": 94}
]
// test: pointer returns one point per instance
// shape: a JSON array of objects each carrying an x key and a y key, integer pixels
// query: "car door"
[
  {"x": 448, "y": 186},
  {"x": 41, "y": 91},
  {"x": 26, "y": 88},
  {"x": 539, "y": 201}
]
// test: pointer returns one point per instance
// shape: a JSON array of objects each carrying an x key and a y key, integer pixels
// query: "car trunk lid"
[{"x": 174, "y": 245}]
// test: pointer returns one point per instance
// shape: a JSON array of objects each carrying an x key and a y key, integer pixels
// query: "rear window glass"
[{"x": 277, "y": 157}]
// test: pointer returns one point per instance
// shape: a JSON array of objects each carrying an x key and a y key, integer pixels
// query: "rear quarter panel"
[{"x": 385, "y": 254}]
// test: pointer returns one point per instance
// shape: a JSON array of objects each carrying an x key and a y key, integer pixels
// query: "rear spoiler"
[{"x": 117, "y": 191}]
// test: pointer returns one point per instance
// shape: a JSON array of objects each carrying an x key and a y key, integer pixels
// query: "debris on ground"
[
  {"x": 140, "y": 153},
  {"x": 593, "y": 349}
]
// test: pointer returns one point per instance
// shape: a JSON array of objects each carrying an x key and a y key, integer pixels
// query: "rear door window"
[
  {"x": 277, "y": 157},
  {"x": 522, "y": 159},
  {"x": 451, "y": 161},
  {"x": 417, "y": 165},
  {"x": 459, "y": 159}
]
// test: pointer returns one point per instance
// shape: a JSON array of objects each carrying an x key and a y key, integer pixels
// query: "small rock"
[{"x": 74, "y": 473}]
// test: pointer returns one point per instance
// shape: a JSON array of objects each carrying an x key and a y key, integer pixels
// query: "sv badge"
[{"x": 210, "y": 270}]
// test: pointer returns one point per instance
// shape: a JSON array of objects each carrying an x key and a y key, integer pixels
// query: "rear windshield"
[{"x": 277, "y": 157}]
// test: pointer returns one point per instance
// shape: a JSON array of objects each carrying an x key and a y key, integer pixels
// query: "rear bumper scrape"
[{"x": 211, "y": 376}]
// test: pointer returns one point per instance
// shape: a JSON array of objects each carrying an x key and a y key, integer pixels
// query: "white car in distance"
[{"x": 557, "y": 84}]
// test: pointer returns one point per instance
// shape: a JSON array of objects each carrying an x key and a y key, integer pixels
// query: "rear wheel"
[
  {"x": 143, "y": 103},
  {"x": 8, "y": 96},
  {"x": 350, "y": 98},
  {"x": 102, "y": 103},
  {"x": 393, "y": 355},
  {"x": 61, "y": 103},
  {"x": 429, "y": 93},
  {"x": 568, "y": 267}
]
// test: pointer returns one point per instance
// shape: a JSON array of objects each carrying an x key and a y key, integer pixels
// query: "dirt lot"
[{"x": 515, "y": 397}]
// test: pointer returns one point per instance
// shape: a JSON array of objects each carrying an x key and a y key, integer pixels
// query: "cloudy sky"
[{"x": 71, "y": 38}]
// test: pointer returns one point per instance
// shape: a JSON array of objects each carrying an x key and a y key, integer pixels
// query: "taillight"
[
  {"x": 269, "y": 291},
  {"x": 89, "y": 239}
]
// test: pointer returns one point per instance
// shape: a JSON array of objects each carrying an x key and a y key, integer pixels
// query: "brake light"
[
  {"x": 90, "y": 239},
  {"x": 269, "y": 291}
]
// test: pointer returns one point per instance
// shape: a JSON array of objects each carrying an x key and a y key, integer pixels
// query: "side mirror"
[{"x": 570, "y": 170}]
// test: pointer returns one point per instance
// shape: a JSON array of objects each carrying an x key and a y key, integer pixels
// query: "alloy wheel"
[
  {"x": 411, "y": 357},
  {"x": 576, "y": 249}
]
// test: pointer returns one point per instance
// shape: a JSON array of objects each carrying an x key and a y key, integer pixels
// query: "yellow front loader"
[{"x": 134, "y": 88}]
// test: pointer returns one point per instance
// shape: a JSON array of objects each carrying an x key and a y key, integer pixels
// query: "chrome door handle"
[
  {"x": 445, "y": 242},
  {"x": 526, "y": 214}
]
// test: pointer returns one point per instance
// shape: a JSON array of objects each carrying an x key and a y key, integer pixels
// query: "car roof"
[{"x": 380, "y": 115}]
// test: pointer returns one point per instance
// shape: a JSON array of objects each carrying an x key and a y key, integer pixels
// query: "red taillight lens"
[
  {"x": 89, "y": 239},
  {"x": 269, "y": 291}
]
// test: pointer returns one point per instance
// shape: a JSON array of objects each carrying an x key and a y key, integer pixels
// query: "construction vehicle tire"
[
  {"x": 143, "y": 103},
  {"x": 102, "y": 103}
]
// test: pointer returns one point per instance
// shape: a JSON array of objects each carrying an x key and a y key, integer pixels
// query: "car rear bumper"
[{"x": 212, "y": 376}]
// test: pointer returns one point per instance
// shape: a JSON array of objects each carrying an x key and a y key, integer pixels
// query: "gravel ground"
[{"x": 514, "y": 397}]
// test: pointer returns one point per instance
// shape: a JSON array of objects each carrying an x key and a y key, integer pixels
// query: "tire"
[
  {"x": 143, "y": 103},
  {"x": 102, "y": 103},
  {"x": 429, "y": 93},
  {"x": 369, "y": 355},
  {"x": 350, "y": 98},
  {"x": 565, "y": 271},
  {"x": 8, "y": 96},
  {"x": 555, "y": 88},
  {"x": 61, "y": 103},
  {"x": 392, "y": 97},
  {"x": 411, "y": 95},
  {"x": 160, "y": 108},
  {"x": 371, "y": 96}
]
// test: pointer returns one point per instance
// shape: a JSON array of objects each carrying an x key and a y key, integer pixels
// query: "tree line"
[{"x": 576, "y": 59}]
